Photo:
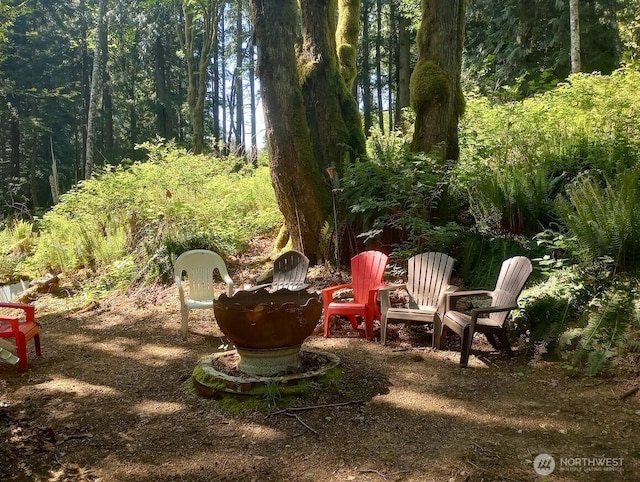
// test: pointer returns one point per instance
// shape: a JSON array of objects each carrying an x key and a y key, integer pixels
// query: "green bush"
[
  {"x": 603, "y": 217},
  {"x": 150, "y": 212},
  {"x": 516, "y": 156},
  {"x": 391, "y": 196}
]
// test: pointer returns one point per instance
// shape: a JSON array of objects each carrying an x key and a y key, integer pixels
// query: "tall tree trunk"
[
  {"x": 252, "y": 93},
  {"x": 95, "y": 91},
  {"x": 347, "y": 34},
  {"x": 366, "y": 69},
  {"x": 574, "y": 16},
  {"x": 303, "y": 195},
  {"x": 404, "y": 68},
  {"x": 436, "y": 94},
  {"x": 337, "y": 134},
  {"x": 239, "y": 140},
  {"x": 391, "y": 51},
  {"x": 15, "y": 147},
  {"x": 197, "y": 38},
  {"x": 162, "y": 94},
  {"x": 379, "y": 64},
  {"x": 107, "y": 99}
]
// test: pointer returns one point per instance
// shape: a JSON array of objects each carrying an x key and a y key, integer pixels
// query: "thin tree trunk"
[
  {"x": 197, "y": 39},
  {"x": 366, "y": 67},
  {"x": 404, "y": 68},
  {"x": 239, "y": 138},
  {"x": 252, "y": 91},
  {"x": 574, "y": 15},
  {"x": 379, "y": 64},
  {"x": 107, "y": 99},
  {"x": 95, "y": 91},
  {"x": 162, "y": 96}
]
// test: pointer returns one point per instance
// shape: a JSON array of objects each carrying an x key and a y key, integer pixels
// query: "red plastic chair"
[
  {"x": 11, "y": 327},
  {"x": 367, "y": 269}
]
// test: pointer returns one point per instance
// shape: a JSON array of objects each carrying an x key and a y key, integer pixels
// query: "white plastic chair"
[{"x": 199, "y": 265}]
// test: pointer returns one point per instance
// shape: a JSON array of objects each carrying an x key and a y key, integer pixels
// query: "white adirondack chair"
[
  {"x": 199, "y": 265},
  {"x": 514, "y": 274},
  {"x": 427, "y": 284}
]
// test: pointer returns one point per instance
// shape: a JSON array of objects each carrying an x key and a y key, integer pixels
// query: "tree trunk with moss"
[
  {"x": 332, "y": 113},
  {"x": 198, "y": 35},
  {"x": 436, "y": 94},
  {"x": 347, "y": 39},
  {"x": 303, "y": 195}
]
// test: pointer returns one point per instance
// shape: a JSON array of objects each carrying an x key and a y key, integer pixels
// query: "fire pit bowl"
[{"x": 268, "y": 329}]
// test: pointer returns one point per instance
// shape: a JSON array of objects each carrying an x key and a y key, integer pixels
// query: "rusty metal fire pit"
[{"x": 268, "y": 329}]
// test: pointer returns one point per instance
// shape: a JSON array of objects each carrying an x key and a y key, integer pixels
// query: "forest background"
[{"x": 105, "y": 176}]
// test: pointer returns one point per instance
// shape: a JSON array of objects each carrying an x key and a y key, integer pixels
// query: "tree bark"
[
  {"x": 239, "y": 138},
  {"x": 303, "y": 196},
  {"x": 574, "y": 16},
  {"x": 404, "y": 68},
  {"x": 365, "y": 69},
  {"x": 336, "y": 133},
  {"x": 347, "y": 35},
  {"x": 197, "y": 39},
  {"x": 95, "y": 91},
  {"x": 436, "y": 94}
]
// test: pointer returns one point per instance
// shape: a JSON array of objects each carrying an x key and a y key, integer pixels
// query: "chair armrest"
[
  {"x": 476, "y": 312},
  {"x": 443, "y": 300},
  {"x": 492, "y": 309},
  {"x": 227, "y": 279},
  {"x": 454, "y": 295},
  {"x": 178, "y": 281},
  {"x": 327, "y": 293},
  {"x": 29, "y": 310},
  {"x": 385, "y": 299},
  {"x": 13, "y": 321}
]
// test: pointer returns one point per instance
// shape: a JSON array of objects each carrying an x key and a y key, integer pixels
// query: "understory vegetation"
[{"x": 554, "y": 177}]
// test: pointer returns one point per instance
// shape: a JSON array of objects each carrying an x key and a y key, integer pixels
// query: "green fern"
[{"x": 603, "y": 217}]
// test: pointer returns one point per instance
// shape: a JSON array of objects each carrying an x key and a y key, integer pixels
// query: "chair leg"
[
  {"x": 436, "y": 341},
  {"x": 36, "y": 340},
  {"x": 327, "y": 323},
  {"x": 504, "y": 341},
  {"x": 383, "y": 329},
  {"x": 184, "y": 326},
  {"x": 21, "y": 345},
  {"x": 467, "y": 340}
]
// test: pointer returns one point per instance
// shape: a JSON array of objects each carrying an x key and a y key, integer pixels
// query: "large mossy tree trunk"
[
  {"x": 332, "y": 113},
  {"x": 436, "y": 95},
  {"x": 303, "y": 195}
]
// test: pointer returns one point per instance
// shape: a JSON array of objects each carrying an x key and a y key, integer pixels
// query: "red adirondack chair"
[
  {"x": 367, "y": 269},
  {"x": 12, "y": 327}
]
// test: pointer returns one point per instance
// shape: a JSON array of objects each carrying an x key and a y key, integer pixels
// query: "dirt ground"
[{"x": 111, "y": 399}]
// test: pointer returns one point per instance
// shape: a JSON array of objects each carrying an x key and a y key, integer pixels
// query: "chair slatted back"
[
  {"x": 514, "y": 274},
  {"x": 200, "y": 266},
  {"x": 428, "y": 277},
  {"x": 290, "y": 271},
  {"x": 367, "y": 270}
]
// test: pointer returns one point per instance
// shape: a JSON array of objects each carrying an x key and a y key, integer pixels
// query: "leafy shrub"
[
  {"x": 392, "y": 195},
  {"x": 516, "y": 156},
  {"x": 603, "y": 217},
  {"x": 150, "y": 212}
]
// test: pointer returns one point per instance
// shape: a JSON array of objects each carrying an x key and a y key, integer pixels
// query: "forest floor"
[{"x": 111, "y": 399}]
